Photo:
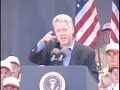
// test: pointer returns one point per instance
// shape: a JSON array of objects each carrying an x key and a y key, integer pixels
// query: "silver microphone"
[
  {"x": 54, "y": 54},
  {"x": 63, "y": 53}
]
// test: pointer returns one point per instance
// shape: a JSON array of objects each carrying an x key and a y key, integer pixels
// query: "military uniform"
[
  {"x": 105, "y": 37},
  {"x": 103, "y": 57}
]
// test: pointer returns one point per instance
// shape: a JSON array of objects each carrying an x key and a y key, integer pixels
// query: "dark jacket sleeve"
[{"x": 42, "y": 57}]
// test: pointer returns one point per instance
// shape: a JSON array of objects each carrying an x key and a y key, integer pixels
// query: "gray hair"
[{"x": 62, "y": 17}]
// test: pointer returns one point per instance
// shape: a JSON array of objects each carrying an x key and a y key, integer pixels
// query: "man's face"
[
  {"x": 15, "y": 69},
  {"x": 115, "y": 75},
  {"x": 64, "y": 33},
  {"x": 5, "y": 73},
  {"x": 112, "y": 56},
  {"x": 106, "y": 36},
  {"x": 10, "y": 88}
]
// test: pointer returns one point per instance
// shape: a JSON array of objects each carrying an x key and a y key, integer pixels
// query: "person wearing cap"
[
  {"x": 101, "y": 56},
  {"x": 106, "y": 32},
  {"x": 101, "y": 49},
  {"x": 6, "y": 70},
  {"x": 112, "y": 51},
  {"x": 16, "y": 67},
  {"x": 11, "y": 83},
  {"x": 114, "y": 70}
]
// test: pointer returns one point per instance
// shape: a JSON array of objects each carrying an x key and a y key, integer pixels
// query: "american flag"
[
  {"x": 87, "y": 27},
  {"x": 115, "y": 22}
]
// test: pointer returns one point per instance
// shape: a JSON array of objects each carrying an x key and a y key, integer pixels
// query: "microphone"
[
  {"x": 62, "y": 54},
  {"x": 54, "y": 54}
]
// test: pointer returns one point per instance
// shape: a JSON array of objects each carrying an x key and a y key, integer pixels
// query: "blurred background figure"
[
  {"x": 11, "y": 83},
  {"x": 101, "y": 49},
  {"x": 106, "y": 33},
  {"x": 105, "y": 81},
  {"x": 112, "y": 51},
  {"x": 6, "y": 70},
  {"x": 114, "y": 70},
  {"x": 16, "y": 67}
]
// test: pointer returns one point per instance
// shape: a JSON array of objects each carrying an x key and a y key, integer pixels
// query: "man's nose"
[{"x": 62, "y": 32}]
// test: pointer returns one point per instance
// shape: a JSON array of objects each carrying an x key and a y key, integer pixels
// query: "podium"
[{"x": 75, "y": 78}]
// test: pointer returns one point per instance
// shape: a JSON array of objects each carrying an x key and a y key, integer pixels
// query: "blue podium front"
[{"x": 56, "y": 78}]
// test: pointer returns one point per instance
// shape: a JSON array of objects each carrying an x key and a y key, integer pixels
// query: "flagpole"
[{"x": 99, "y": 61}]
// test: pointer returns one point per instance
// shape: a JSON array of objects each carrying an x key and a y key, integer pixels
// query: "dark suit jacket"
[{"x": 81, "y": 55}]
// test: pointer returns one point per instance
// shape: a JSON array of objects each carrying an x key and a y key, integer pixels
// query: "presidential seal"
[{"x": 52, "y": 81}]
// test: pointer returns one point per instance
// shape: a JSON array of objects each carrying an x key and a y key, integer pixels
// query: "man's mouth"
[{"x": 63, "y": 38}]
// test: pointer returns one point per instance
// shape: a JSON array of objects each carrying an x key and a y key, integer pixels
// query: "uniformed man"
[{"x": 100, "y": 51}]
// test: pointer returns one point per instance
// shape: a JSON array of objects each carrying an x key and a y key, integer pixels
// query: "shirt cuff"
[{"x": 40, "y": 46}]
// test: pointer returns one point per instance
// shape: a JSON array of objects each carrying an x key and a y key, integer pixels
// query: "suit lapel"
[{"x": 74, "y": 55}]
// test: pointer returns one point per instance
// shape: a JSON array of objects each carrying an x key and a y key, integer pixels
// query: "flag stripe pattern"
[
  {"x": 115, "y": 22},
  {"x": 87, "y": 27}
]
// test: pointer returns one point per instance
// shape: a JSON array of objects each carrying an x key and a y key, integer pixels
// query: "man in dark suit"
[{"x": 77, "y": 54}]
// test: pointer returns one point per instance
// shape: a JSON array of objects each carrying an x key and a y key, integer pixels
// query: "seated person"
[
  {"x": 6, "y": 70},
  {"x": 112, "y": 52},
  {"x": 16, "y": 67}
]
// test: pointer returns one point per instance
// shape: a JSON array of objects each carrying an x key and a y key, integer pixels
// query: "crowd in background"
[
  {"x": 109, "y": 75},
  {"x": 107, "y": 59},
  {"x": 10, "y": 73}
]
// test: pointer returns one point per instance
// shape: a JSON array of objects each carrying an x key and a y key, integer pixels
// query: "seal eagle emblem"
[{"x": 52, "y": 81}]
